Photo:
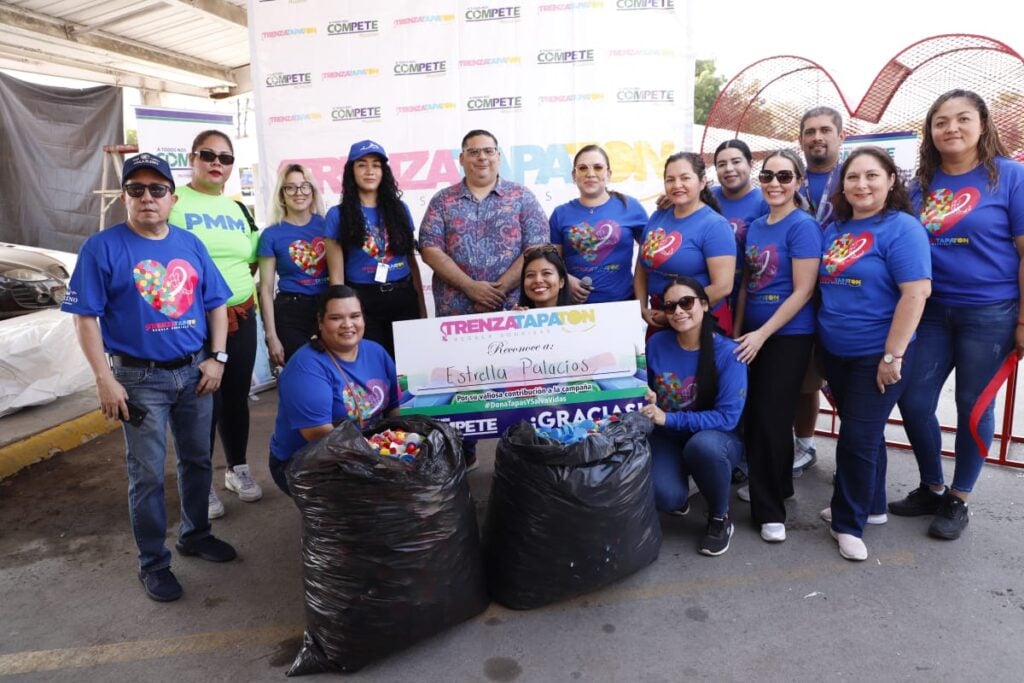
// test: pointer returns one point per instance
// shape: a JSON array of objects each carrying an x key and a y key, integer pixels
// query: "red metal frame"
[{"x": 1005, "y": 435}]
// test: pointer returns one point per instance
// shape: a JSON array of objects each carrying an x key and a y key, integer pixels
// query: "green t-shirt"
[{"x": 222, "y": 227}]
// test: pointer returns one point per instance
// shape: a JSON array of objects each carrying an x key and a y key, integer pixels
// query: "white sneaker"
[
  {"x": 239, "y": 480},
  {"x": 743, "y": 493},
  {"x": 773, "y": 532},
  {"x": 826, "y": 515},
  {"x": 215, "y": 508},
  {"x": 850, "y": 547}
]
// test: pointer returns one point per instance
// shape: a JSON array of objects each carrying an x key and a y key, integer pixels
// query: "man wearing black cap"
[{"x": 150, "y": 317}]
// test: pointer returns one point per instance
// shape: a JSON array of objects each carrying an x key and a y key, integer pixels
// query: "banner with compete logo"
[{"x": 413, "y": 75}]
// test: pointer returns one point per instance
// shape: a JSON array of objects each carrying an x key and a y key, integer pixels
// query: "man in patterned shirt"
[{"x": 474, "y": 233}]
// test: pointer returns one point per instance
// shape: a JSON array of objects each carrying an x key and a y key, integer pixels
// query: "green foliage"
[{"x": 706, "y": 87}]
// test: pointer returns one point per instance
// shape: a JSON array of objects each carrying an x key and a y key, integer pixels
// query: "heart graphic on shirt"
[
  {"x": 170, "y": 290},
  {"x": 594, "y": 243},
  {"x": 308, "y": 256},
  {"x": 943, "y": 209},
  {"x": 739, "y": 229},
  {"x": 659, "y": 247},
  {"x": 363, "y": 404},
  {"x": 763, "y": 266},
  {"x": 846, "y": 250},
  {"x": 674, "y": 393}
]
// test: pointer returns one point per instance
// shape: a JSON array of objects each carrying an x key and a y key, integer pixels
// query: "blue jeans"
[
  {"x": 975, "y": 341},
  {"x": 861, "y": 457},
  {"x": 168, "y": 396},
  {"x": 709, "y": 456}
]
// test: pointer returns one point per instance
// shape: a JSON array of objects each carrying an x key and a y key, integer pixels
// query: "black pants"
[
  {"x": 294, "y": 320},
  {"x": 773, "y": 384},
  {"x": 277, "y": 468},
  {"x": 385, "y": 304},
  {"x": 231, "y": 400}
]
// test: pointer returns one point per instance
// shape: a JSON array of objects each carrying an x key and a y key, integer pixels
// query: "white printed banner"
[
  {"x": 544, "y": 77},
  {"x": 168, "y": 133}
]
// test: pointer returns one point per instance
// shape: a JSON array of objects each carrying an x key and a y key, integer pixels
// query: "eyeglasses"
[
  {"x": 292, "y": 190},
  {"x": 541, "y": 249},
  {"x": 684, "y": 302},
  {"x": 156, "y": 190},
  {"x": 783, "y": 177},
  {"x": 480, "y": 151},
  {"x": 596, "y": 168},
  {"x": 209, "y": 155}
]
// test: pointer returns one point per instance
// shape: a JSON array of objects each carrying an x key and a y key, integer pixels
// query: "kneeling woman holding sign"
[
  {"x": 699, "y": 389},
  {"x": 337, "y": 376}
]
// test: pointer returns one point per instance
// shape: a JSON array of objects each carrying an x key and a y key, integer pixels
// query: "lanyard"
[{"x": 819, "y": 207}]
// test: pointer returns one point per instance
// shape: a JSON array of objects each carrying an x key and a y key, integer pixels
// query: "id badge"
[{"x": 382, "y": 273}]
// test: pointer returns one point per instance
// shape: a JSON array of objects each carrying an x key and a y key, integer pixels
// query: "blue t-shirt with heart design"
[
  {"x": 672, "y": 372},
  {"x": 298, "y": 252},
  {"x": 361, "y": 264},
  {"x": 681, "y": 246},
  {"x": 769, "y": 266},
  {"x": 312, "y": 392},
  {"x": 597, "y": 242},
  {"x": 971, "y": 228},
  {"x": 863, "y": 263},
  {"x": 151, "y": 296},
  {"x": 741, "y": 213}
]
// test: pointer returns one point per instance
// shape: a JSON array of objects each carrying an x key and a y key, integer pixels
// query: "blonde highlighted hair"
[{"x": 278, "y": 210}]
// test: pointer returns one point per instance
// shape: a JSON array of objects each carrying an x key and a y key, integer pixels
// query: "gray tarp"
[{"x": 51, "y": 161}]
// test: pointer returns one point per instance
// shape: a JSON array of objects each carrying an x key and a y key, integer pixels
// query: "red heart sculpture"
[
  {"x": 763, "y": 103},
  {"x": 659, "y": 246},
  {"x": 846, "y": 250},
  {"x": 942, "y": 209}
]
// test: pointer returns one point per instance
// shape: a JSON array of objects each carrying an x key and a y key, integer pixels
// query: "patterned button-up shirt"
[{"x": 483, "y": 237}]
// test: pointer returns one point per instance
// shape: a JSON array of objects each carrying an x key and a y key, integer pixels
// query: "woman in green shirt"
[{"x": 224, "y": 227}]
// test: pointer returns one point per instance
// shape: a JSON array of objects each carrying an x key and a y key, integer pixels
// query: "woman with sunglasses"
[
  {"x": 230, "y": 237},
  {"x": 874, "y": 278},
  {"x": 690, "y": 238},
  {"x": 969, "y": 195},
  {"x": 371, "y": 246},
  {"x": 775, "y": 321},
  {"x": 337, "y": 376},
  {"x": 596, "y": 232},
  {"x": 698, "y": 390},
  {"x": 291, "y": 251},
  {"x": 544, "y": 282}
]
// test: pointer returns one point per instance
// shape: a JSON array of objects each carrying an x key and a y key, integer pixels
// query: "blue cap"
[
  {"x": 150, "y": 161},
  {"x": 364, "y": 147}
]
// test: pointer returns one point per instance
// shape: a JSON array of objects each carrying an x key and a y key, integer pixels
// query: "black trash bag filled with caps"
[
  {"x": 390, "y": 550},
  {"x": 564, "y": 520}
]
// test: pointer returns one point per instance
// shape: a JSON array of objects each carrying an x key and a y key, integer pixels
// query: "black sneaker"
[
  {"x": 208, "y": 548},
  {"x": 161, "y": 585},
  {"x": 920, "y": 501},
  {"x": 716, "y": 538},
  {"x": 739, "y": 476},
  {"x": 950, "y": 520},
  {"x": 683, "y": 511}
]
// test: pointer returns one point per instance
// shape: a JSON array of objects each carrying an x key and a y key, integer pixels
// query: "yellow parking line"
[
  {"x": 141, "y": 650},
  {"x": 50, "y": 442}
]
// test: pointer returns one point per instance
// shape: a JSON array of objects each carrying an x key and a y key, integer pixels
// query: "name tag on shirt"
[{"x": 382, "y": 273}]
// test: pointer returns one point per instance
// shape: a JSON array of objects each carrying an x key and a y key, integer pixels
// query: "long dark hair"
[
  {"x": 608, "y": 165},
  {"x": 326, "y": 296},
  {"x": 549, "y": 253},
  {"x": 989, "y": 144},
  {"x": 700, "y": 169},
  {"x": 896, "y": 199},
  {"x": 707, "y": 370},
  {"x": 392, "y": 212},
  {"x": 798, "y": 168}
]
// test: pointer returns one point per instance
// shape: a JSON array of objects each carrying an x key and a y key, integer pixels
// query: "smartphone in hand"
[{"x": 136, "y": 414}]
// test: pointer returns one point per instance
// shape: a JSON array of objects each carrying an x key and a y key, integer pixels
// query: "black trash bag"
[
  {"x": 390, "y": 550},
  {"x": 567, "y": 520}
]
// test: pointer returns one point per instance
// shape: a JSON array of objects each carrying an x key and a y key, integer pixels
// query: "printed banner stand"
[{"x": 485, "y": 372}]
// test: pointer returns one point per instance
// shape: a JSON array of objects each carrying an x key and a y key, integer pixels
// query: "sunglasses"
[
  {"x": 783, "y": 177},
  {"x": 541, "y": 249},
  {"x": 684, "y": 302},
  {"x": 156, "y": 190},
  {"x": 292, "y": 190},
  {"x": 209, "y": 155}
]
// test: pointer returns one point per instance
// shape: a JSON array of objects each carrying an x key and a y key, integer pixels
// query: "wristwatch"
[
  {"x": 889, "y": 359},
  {"x": 220, "y": 356}
]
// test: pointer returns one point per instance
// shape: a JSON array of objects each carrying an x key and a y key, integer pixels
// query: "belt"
[
  {"x": 405, "y": 283},
  {"x": 295, "y": 297},
  {"x": 133, "y": 362}
]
